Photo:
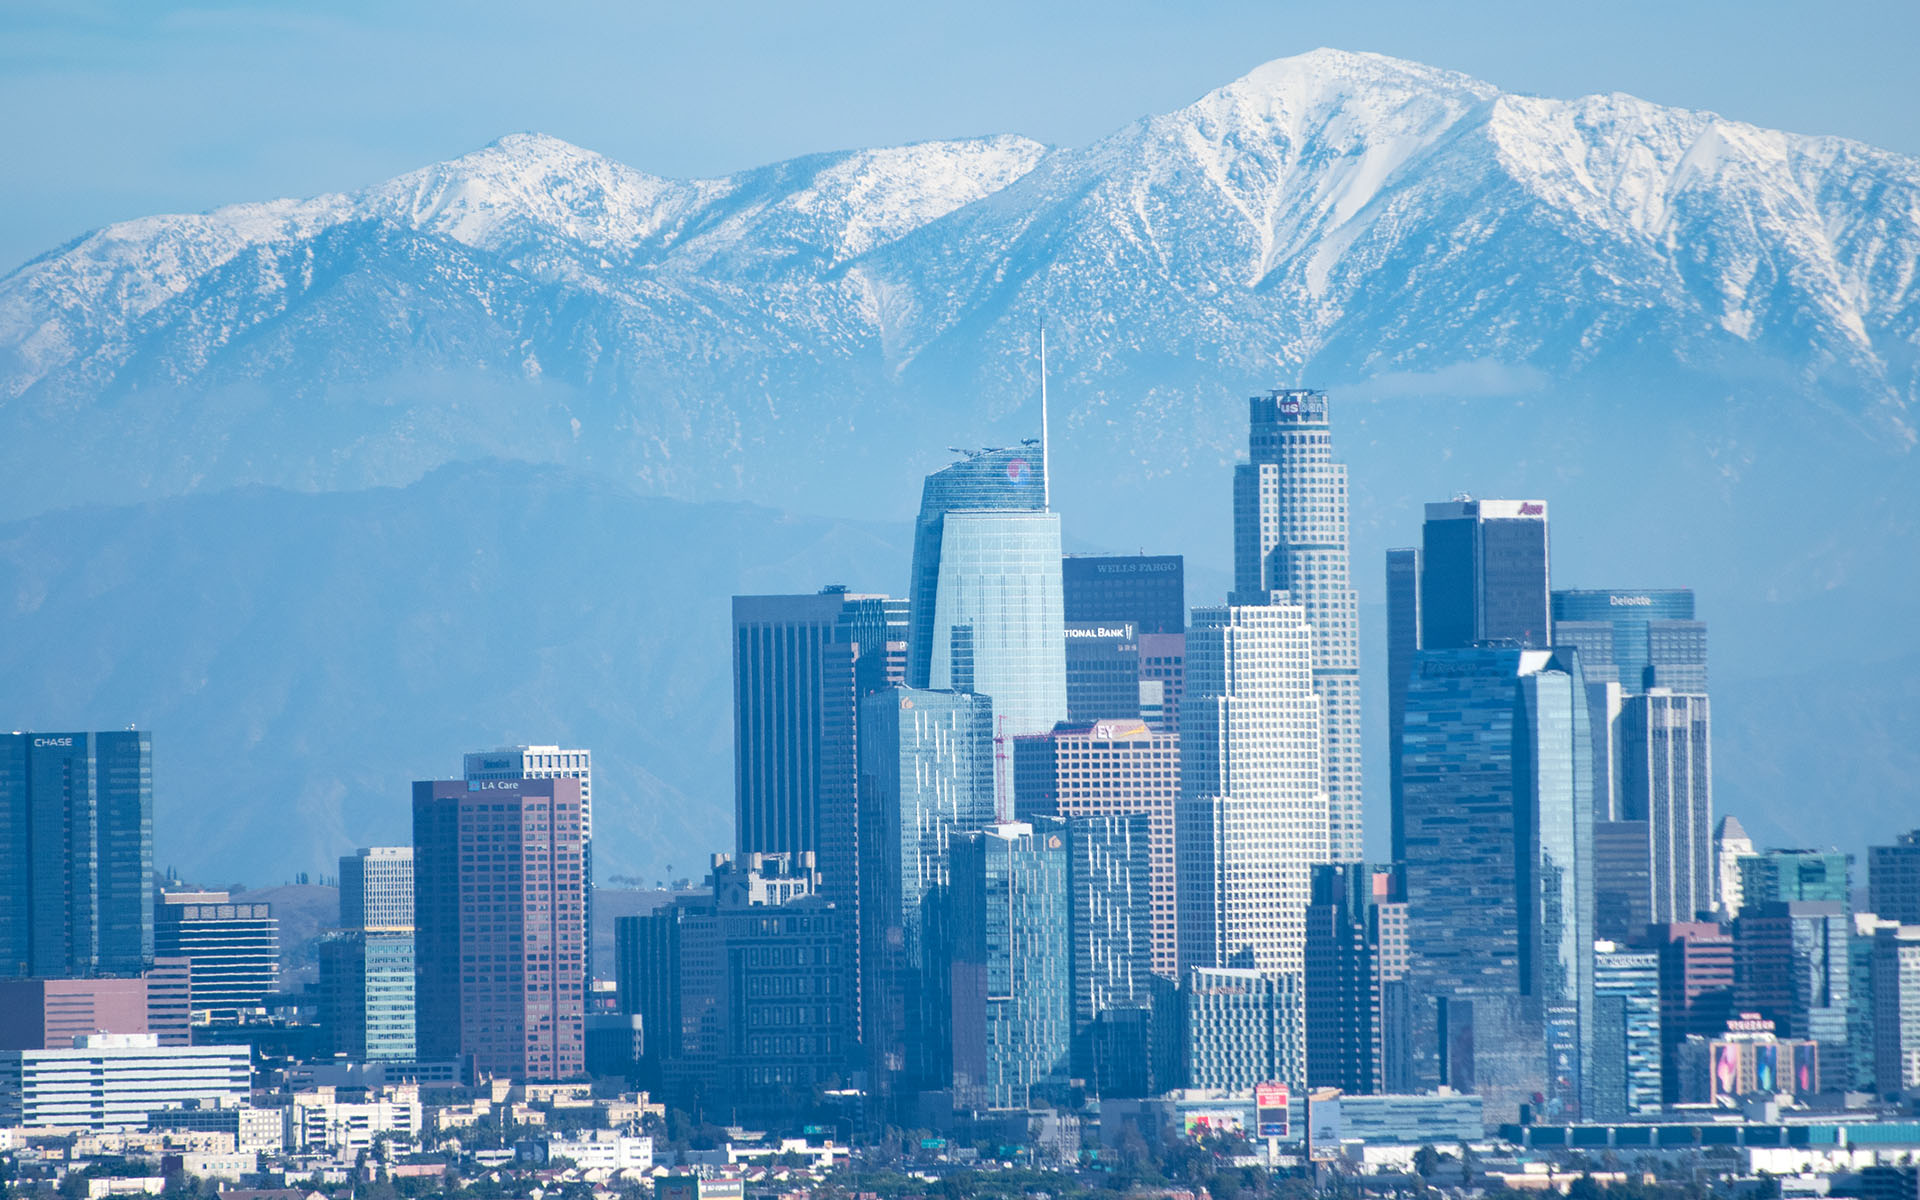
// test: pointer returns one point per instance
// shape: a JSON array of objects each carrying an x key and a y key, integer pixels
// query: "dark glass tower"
[
  {"x": 76, "y": 833},
  {"x": 1403, "y": 638},
  {"x": 1148, "y": 590},
  {"x": 1483, "y": 574},
  {"x": 1650, "y": 639}
]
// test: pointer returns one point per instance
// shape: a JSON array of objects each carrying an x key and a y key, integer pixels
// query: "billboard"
[
  {"x": 1806, "y": 1068},
  {"x": 1766, "y": 1069},
  {"x": 1270, "y": 1109},
  {"x": 1726, "y": 1071},
  {"x": 1200, "y": 1121}
]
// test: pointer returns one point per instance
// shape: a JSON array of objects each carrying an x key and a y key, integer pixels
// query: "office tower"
[
  {"x": 1626, "y": 1035},
  {"x": 1163, "y": 671},
  {"x": 647, "y": 968},
  {"x": 499, "y": 923},
  {"x": 1110, "y": 912},
  {"x": 1290, "y": 535},
  {"x": 367, "y": 994},
  {"x": 376, "y": 888},
  {"x": 1498, "y": 812},
  {"x": 1403, "y": 639},
  {"x": 1240, "y": 1027},
  {"x": 1861, "y": 1034},
  {"x": 1640, "y": 639},
  {"x": 170, "y": 1000},
  {"x": 1483, "y": 574},
  {"x": 1148, "y": 591},
  {"x": 1251, "y": 820},
  {"x": 48, "y": 1014},
  {"x": 1356, "y": 964},
  {"x": 1696, "y": 990},
  {"x": 1011, "y": 962},
  {"x": 1790, "y": 965},
  {"x": 548, "y": 762},
  {"x": 1783, "y": 875},
  {"x": 1110, "y": 768},
  {"x": 234, "y": 949},
  {"x": 1103, "y": 672},
  {"x": 1893, "y": 879},
  {"x": 1730, "y": 845},
  {"x": 986, "y": 607},
  {"x": 1622, "y": 880},
  {"x": 1666, "y": 781},
  {"x": 1896, "y": 1009},
  {"x": 926, "y": 773},
  {"x": 114, "y": 1080},
  {"x": 76, "y": 832}
]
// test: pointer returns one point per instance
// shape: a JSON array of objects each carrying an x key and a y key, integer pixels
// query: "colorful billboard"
[{"x": 1270, "y": 1109}]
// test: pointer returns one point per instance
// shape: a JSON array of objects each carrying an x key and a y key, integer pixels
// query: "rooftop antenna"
[{"x": 1046, "y": 471}]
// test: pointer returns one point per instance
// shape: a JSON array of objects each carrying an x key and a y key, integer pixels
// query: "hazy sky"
[{"x": 116, "y": 111}]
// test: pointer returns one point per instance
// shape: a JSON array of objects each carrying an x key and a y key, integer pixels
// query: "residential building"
[
  {"x": 1148, "y": 591},
  {"x": 500, "y": 934},
  {"x": 926, "y": 774},
  {"x": 76, "y": 840},
  {"x": 1626, "y": 1066},
  {"x": 1896, "y": 1009},
  {"x": 234, "y": 949},
  {"x": 1498, "y": 827},
  {"x": 1012, "y": 966},
  {"x": 1290, "y": 535},
  {"x": 1110, "y": 907},
  {"x": 1241, "y": 1027},
  {"x": 1357, "y": 1005},
  {"x": 1110, "y": 768}
]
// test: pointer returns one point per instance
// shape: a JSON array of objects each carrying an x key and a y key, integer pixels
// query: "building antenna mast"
[{"x": 1046, "y": 466}]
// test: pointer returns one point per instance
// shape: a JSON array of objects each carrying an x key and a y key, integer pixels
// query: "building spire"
[{"x": 1046, "y": 464}]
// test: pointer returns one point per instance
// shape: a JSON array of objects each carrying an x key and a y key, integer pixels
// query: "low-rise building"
[
  {"x": 603, "y": 1150},
  {"x": 320, "y": 1122},
  {"x": 112, "y": 1081}
]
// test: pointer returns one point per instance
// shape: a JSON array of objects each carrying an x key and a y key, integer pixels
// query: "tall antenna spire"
[{"x": 1046, "y": 465}]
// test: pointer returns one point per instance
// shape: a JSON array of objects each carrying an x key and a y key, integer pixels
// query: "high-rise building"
[
  {"x": 926, "y": 774},
  {"x": 1148, "y": 591},
  {"x": 1110, "y": 914},
  {"x": 1251, "y": 821},
  {"x": 1622, "y": 880},
  {"x": 1103, "y": 672},
  {"x": 48, "y": 1014},
  {"x": 1896, "y": 1009},
  {"x": 1791, "y": 965},
  {"x": 1357, "y": 1002},
  {"x": 76, "y": 837},
  {"x": 234, "y": 949},
  {"x": 1730, "y": 845},
  {"x": 1110, "y": 768},
  {"x": 500, "y": 932},
  {"x": 1403, "y": 639},
  {"x": 986, "y": 608},
  {"x": 367, "y": 994},
  {"x": 1011, "y": 963},
  {"x": 1862, "y": 1049},
  {"x": 1777, "y": 876},
  {"x": 376, "y": 888},
  {"x": 1667, "y": 782},
  {"x": 548, "y": 762},
  {"x": 1163, "y": 673},
  {"x": 1290, "y": 535},
  {"x": 1621, "y": 634},
  {"x": 1239, "y": 1028},
  {"x": 1498, "y": 827},
  {"x": 1625, "y": 1078},
  {"x": 170, "y": 1000},
  {"x": 1483, "y": 574},
  {"x": 1893, "y": 879},
  {"x": 1696, "y": 990}
]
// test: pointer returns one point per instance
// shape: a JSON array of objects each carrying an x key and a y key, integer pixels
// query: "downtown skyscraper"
[
  {"x": 1290, "y": 535},
  {"x": 986, "y": 606}
]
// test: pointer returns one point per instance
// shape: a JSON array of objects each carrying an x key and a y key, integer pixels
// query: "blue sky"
[{"x": 119, "y": 110}]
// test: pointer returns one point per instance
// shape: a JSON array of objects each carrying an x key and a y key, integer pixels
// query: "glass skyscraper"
[
  {"x": 76, "y": 836},
  {"x": 1666, "y": 780},
  {"x": 986, "y": 603},
  {"x": 1290, "y": 535},
  {"x": 1147, "y": 590},
  {"x": 1012, "y": 999},
  {"x": 926, "y": 774},
  {"x": 1496, "y": 772},
  {"x": 1110, "y": 901},
  {"x": 1626, "y": 1041},
  {"x": 1483, "y": 574},
  {"x": 1638, "y": 625}
]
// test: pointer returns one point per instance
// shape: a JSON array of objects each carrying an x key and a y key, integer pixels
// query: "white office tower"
[
  {"x": 1252, "y": 816},
  {"x": 376, "y": 889},
  {"x": 1290, "y": 535},
  {"x": 1730, "y": 845}
]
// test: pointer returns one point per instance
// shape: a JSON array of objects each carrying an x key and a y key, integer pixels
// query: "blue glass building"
[
  {"x": 986, "y": 605},
  {"x": 1012, "y": 1000},
  {"x": 926, "y": 774},
  {"x": 1498, "y": 813},
  {"x": 1241, "y": 1027},
  {"x": 76, "y": 837},
  {"x": 1620, "y": 631},
  {"x": 1625, "y": 1079},
  {"x": 1110, "y": 900}
]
